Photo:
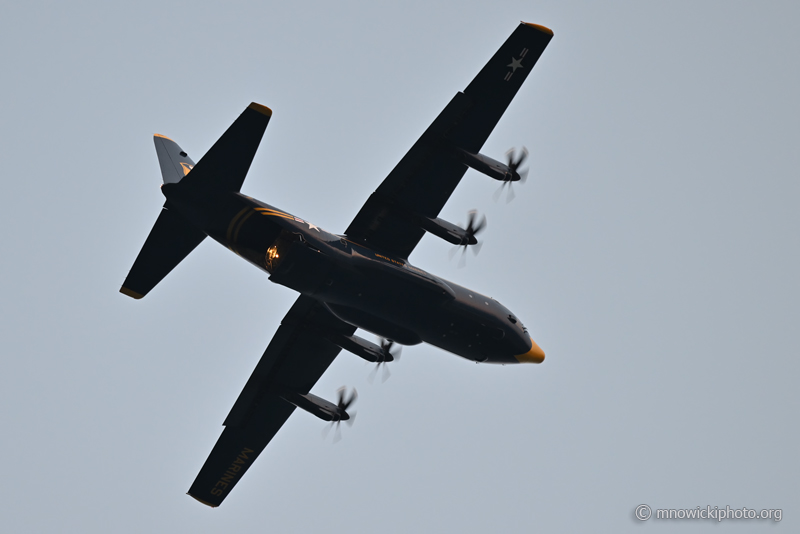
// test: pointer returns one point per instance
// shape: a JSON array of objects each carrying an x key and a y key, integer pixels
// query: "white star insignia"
[
  {"x": 312, "y": 227},
  {"x": 515, "y": 64}
]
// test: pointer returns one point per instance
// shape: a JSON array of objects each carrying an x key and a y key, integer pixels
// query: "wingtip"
[
  {"x": 201, "y": 501},
  {"x": 539, "y": 27},
  {"x": 133, "y": 294},
  {"x": 261, "y": 109},
  {"x": 163, "y": 137}
]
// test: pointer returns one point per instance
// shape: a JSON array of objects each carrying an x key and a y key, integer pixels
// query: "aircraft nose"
[{"x": 535, "y": 355}]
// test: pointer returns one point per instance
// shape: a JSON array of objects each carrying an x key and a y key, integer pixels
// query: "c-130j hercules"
[{"x": 361, "y": 279}]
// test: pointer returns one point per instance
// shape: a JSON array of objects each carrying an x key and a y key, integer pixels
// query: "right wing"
[
  {"x": 429, "y": 173},
  {"x": 294, "y": 360}
]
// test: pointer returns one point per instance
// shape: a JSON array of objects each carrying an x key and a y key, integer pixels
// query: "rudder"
[{"x": 174, "y": 162}]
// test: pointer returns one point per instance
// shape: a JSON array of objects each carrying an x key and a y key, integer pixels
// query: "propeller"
[
  {"x": 472, "y": 229},
  {"x": 393, "y": 351},
  {"x": 514, "y": 160},
  {"x": 343, "y": 402}
]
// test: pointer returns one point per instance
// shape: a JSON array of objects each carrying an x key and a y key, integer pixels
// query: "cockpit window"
[{"x": 517, "y": 322}]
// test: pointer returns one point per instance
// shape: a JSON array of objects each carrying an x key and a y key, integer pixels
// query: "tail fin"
[
  {"x": 223, "y": 168},
  {"x": 175, "y": 163},
  {"x": 172, "y": 237}
]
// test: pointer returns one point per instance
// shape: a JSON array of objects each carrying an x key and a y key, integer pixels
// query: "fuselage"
[{"x": 363, "y": 287}]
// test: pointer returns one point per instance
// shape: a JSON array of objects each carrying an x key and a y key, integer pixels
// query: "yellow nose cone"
[{"x": 535, "y": 355}]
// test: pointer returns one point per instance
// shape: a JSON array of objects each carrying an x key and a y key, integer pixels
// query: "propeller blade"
[
  {"x": 511, "y": 194},
  {"x": 393, "y": 351},
  {"x": 373, "y": 373},
  {"x": 344, "y": 401},
  {"x": 462, "y": 262},
  {"x": 499, "y": 191},
  {"x": 352, "y": 419},
  {"x": 351, "y": 400},
  {"x": 337, "y": 436},
  {"x": 392, "y": 348},
  {"x": 481, "y": 225},
  {"x": 514, "y": 163},
  {"x": 510, "y": 156},
  {"x": 477, "y": 247},
  {"x": 384, "y": 377},
  {"x": 473, "y": 228},
  {"x": 522, "y": 157}
]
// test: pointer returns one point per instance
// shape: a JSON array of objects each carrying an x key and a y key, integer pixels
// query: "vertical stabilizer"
[{"x": 175, "y": 163}]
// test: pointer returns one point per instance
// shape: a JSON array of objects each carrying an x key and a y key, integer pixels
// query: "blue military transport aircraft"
[{"x": 360, "y": 279}]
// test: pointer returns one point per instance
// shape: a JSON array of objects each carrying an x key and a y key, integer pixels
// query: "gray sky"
[{"x": 652, "y": 253}]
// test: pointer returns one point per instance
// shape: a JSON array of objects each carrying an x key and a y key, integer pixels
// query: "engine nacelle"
[
  {"x": 325, "y": 410},
  {"x": 488, "y": 166},
  {"x": 361, "y": 347},
  {"x": 444, "y": 229}
]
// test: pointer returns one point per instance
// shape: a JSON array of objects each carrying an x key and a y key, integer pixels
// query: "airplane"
[{"x": 359, "y": 279}]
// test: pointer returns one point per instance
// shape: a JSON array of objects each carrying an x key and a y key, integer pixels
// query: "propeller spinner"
[
  {"x": 392, "y": 352},
  {"x": 514, "y": 160},
  {"x": 473, "y": 228},
  {"x": 343, "y": 403}
]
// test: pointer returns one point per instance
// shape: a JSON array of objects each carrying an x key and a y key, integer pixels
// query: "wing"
[
  {"x": 429, "y": 173},
  {"x": 294, "y": 360}
]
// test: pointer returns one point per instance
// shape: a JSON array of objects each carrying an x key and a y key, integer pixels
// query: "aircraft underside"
[{"x": 360, "y": 279}]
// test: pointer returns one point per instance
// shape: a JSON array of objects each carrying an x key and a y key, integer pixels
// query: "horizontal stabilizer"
[
  {"x": 174, "y": 162},
  {"x": 171, "y": 239},
  {"x": 225, "y": 165}
]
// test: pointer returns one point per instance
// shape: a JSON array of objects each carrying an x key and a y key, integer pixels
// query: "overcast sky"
[{"x": 652, "y": 253}]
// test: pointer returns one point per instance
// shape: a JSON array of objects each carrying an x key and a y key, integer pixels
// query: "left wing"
[
  {"x": 294, "y": 360},
  {"x": 428, "y": 174}
]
